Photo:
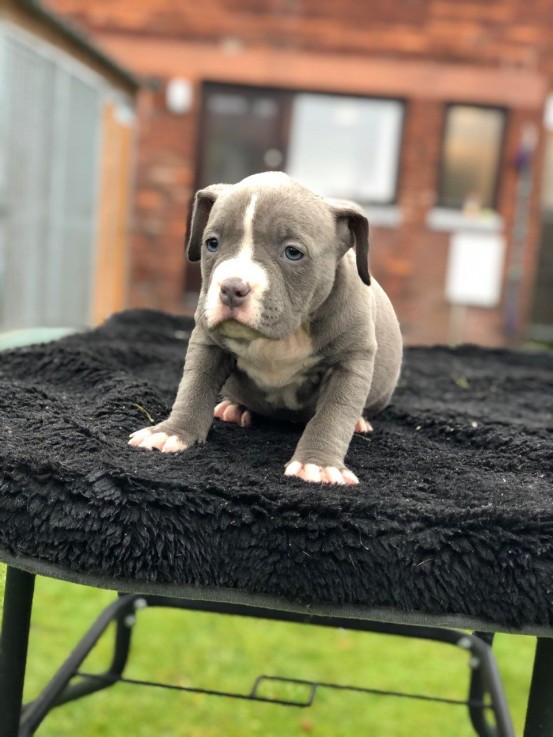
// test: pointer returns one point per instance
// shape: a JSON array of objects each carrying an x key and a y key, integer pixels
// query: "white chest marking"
[{"x": 273, "y": 364}]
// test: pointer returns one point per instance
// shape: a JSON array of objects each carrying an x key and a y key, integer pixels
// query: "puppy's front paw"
[
  {"x": 320, "y": 474},
  {"x": 155, "y": 437}
]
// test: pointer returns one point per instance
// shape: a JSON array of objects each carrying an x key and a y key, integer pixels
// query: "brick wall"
[
  {"x": 428, "y": 52},
  {"x": 164, "y": 188},
  {"x": 516, "y": 32}
]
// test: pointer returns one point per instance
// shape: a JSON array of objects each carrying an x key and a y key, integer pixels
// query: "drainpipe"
[{"x": 519, "y": 232}]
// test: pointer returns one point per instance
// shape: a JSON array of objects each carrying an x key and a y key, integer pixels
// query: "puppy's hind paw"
[
  {"x": 321, "y": 474},
  {"x": 231, "y": 412},
  {"x": 362, "y": 425}
]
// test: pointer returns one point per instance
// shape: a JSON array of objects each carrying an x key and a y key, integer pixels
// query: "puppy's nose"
[{"x": 234, "y": 292}]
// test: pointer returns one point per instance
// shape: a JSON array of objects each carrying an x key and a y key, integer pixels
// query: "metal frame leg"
[
  {"x": 121, "y": 653},
  {"x": 486, "y": 681},
  {"x": 59, "y": 690},
  {"x": 14, "y": 642},
  {"x": 477, "y": 692},
  {"x": 483, "y": 660},
  {"x": 539, "y": 715}
]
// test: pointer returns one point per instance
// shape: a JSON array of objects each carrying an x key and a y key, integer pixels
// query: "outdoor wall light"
[{"x": 178, "y": 96}]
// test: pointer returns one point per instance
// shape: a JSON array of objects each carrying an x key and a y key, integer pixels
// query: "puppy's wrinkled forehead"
[{"x": 268, "y": 206}]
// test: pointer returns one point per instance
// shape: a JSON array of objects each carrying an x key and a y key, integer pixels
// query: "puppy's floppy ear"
[
  {"x": 203, "y": 202},
  {"x": 350, "y": 215}
]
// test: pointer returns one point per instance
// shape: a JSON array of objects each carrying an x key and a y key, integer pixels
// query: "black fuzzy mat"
[{"x": 454, "y": 513}]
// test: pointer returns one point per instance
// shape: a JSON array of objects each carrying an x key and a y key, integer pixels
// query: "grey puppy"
[{"x": 289, "y": 323}]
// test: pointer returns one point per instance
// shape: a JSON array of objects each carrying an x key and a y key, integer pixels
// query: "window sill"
[
  {"x": 384, "y": 216},
  {"x": 540, "y": 333},
  {"x": 442, "y": 218}
]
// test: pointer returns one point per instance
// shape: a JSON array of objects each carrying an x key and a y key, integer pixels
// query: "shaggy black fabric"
[{"x": 454, "y": 513}]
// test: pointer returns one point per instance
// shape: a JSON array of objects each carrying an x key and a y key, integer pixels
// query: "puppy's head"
[{"x": 269, "y": 250}]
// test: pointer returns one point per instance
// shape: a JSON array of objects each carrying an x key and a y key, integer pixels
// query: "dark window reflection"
[{"x": 470, "y": 159}]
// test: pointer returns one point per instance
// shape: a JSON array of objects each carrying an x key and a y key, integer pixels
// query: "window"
[
  {"x": 340, "y": 146},
  {"x": 470, "y": 157},
  {"x": 346, "y": 146},
  {"x": 48, "y": 181}
]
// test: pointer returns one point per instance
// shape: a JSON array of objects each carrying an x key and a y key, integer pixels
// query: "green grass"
[{"x": 206, "y": 650}]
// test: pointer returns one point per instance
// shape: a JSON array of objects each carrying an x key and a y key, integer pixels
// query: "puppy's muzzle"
[{"x": 234, "y": 292}]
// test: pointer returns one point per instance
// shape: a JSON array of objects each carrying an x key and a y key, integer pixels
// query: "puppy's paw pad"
[
  {"x": 349, "y": 477},
  {"x": 137, "y": 437},
  {"x": 246, "y": 419},
  {"x": 363, "y": 426},
  {"x": 155, "y": 440},
  {"x": 173, "y": 444},
  {"x": 151, "y": 440},
  {"x": 320, "y": 474},
  {"x": 230, "y": 412},
  {"x": 220, "y": 408}
]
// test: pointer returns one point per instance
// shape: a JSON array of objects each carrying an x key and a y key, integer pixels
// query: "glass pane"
[
  {"x": 242, "y": 133},
  {"x": 471, "y": 157},
  {"x": 51, "y": 127},
  {"x": 28, "y": 130},
  {"x": 75, "y": 172},
  {"x": 543, "y": 304},
  {"x": 547, "y": 183},
  {"x": 346, "y": 146}
]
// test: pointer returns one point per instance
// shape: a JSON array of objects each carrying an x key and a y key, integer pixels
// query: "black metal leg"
[
  {"x": 477, "y": 692},
  {"x": 122, "y": 647},
  {"x": 14, "y": 641},
  {"x": 62, "y": 688},
  {"x": 477, "y": 645},
  {"x": 490, "y": 682},
  {"x": 121, "y": 653},
  {"x": 539, "y": 716},
  {"x": 58, "y": 690}
]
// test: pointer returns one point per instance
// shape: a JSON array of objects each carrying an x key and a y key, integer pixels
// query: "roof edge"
[{"x": 78, "y": 37}]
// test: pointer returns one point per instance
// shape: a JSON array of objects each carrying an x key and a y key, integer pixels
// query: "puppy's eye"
[
  {"x": 293, "y": 254},
  {"x": 212, "y": 244}
]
